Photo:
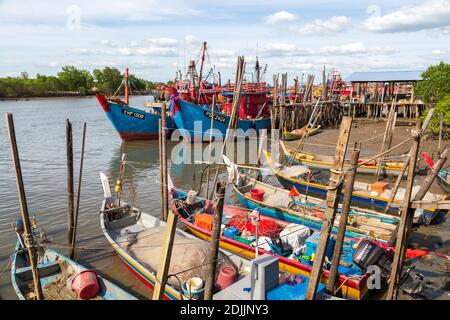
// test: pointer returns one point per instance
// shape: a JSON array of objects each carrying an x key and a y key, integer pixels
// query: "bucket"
[
  {"x": 193, "y": 288},
  {"x": 85, "y": 284},
  {"x": 227, "y": 276},
  {"x": 257, "y": 194}
]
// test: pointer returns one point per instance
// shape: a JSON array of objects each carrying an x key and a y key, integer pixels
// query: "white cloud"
[
  {"x": 332, "y": 25},
  {"x": 353, "y": 48},
  {"x": 280, "y": 17},
  {"x": 428, "y": 15},
  {"x": 163, "y": 42}
]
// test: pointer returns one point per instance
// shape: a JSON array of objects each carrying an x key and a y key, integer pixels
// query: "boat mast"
[
  {"x": 201, "y": 70},
  {"x": 126, "y": 87},
  {"x": 257, "y": 70}
]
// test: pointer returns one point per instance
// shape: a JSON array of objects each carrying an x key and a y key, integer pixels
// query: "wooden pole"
[
  {"x": 334, "y": 189},
  {"x": 210, "y": 142},
  {"x": 346, "y": 202},
  {"x": 166, "y": 254},
  {"x": 74, "y": 236},
  {"x": 432, "y": 176},
  {"x": 165, "y": 196},
  {"x": 70, "y": 196},
  {"x": 161, "y": 182},
  {"x": 397, "y": 185},
  {"x": 441, "y": 126},
  {"x": 406, "y": 214},
  {"x": 28, "y": 233},
  {"x": 215, "y": 238}
]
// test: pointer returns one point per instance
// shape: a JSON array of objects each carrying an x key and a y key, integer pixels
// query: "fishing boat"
[
  {"x": 132, "y": 123},
  {"x": 443, "y": 179},
  {"x": 296, "y": 208},
  {"x": 373, "y": 196},
  {"x": 55, "y": 270},
  {"x": 194, "y": 120},
  {"x": 195, "y": 217},
  {"x": 298, "y": 133},
  {"x": 137, "y": 237},
  {"x": 324, "y": 162}
]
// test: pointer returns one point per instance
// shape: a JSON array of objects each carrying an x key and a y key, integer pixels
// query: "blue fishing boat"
[
  {"x": 133, "y": 123},
  {"x": 363, "y": 196},
  {"x": 194, "y": 121},
  {"x": 55, "y": 270}
]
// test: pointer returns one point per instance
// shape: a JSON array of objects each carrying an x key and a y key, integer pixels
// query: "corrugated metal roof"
[{"x": 385, "y": 76}]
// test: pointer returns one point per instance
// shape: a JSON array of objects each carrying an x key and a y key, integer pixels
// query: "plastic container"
[
  {"x": 231, "y": 232},
  {"x": 193, "y": 288},
  {"x": 227, "y": 276},
  {"x": 257, "y": 194},
  {"x": 204, "y": 221},
  {"x": 85, "y": 284}
]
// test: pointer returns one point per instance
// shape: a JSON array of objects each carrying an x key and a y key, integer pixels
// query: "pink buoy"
[
  {"x": 227, "y": 276},
  {"x": 85, "y": 284}
]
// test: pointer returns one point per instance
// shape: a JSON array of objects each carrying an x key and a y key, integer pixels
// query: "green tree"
[
  {"x": 435, "y": 90},
  {"x": 74, "y": 79},
  {"x": 107, "y": 80}
]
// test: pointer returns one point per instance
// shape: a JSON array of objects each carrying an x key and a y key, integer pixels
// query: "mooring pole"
[
  {"x": 209, "y": 147},
  {"x": 441, "y": 127},
  {"x": 70, "y": 206},
  {"x": 165, "y": 195},
  {"x": 334, "y": 189},
  {"x": 74, "y": 236},
  {"x": 166, "y": 254},
  {"x": 161, "y": 182},
  {"x": 397, "y": 185},
  {"x": 346, "y": 202},
  {"x": 28, "y": 233},
  {"x": 406, "y": 213},
  {"x": 215, "y": 238}
]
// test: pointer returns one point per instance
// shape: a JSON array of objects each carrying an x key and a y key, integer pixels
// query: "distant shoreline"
[{"x": 58, "y": 97}]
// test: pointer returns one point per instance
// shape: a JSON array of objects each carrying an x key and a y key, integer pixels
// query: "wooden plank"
[
  {"x": 428, "y": 205},
  {"x": 166, "y": 254},
  {"x": 334, "y": 188}
]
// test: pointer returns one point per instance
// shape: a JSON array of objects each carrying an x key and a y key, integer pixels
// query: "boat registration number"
[
  {"x": 216, "y": 117},
  {"x": 133, "y": 114}
]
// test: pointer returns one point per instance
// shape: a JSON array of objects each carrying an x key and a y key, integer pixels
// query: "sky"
[{"x": 155, "y": 38}]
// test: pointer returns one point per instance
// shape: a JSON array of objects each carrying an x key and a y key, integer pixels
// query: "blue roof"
[{"x": 386, "y": 76}]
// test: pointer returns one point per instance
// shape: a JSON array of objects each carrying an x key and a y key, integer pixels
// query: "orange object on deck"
[
  {"x": 204, "y": 221},
  {"x": 379, "y": 186}
]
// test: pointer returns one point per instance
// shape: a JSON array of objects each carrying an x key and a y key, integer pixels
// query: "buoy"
[{"x": 227, "y": 276}]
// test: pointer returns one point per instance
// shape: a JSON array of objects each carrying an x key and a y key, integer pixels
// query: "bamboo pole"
[
  {"x": 397, "y": 185},
  {"x": 346, "y": 202},
  {"x": 70, "y": 194},
  {"x": 28, "y": 233},
  {"x": 406, "y": 214},
  {"x": 80, "y": 174},
  {"x": 441, "y": 126},
  {"x": 166, "y": 254},
  {"x": 215, "y": 238},
  {"x": 334, "y": 190}
]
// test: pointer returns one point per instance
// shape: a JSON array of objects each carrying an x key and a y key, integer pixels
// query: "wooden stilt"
[{"x": 165, "y": 197}]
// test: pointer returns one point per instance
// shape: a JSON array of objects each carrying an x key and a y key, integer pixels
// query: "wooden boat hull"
[
  {"x": 49, "y": 271},
  {"x": 289, "y": 136},
  {"x": 194, "y": 121},
  {"x": 309, "y": 160},
  {"x": 132, "y": 123},
  {"x": 314, "y": 222},
  {"x": 351, "y": 288},
  {"x": 442, "y": 180}
]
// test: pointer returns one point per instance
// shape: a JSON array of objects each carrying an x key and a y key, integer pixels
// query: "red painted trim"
[
  {"x": 137, "y": 136},
  {"x": 101, "y": 98}
]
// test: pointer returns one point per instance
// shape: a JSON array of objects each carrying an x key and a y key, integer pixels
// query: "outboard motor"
[{"x": 370, "y": 254}]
